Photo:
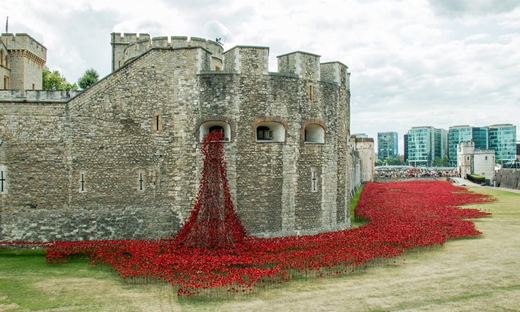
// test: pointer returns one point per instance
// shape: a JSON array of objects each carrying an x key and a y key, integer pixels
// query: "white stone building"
[{"x": 471, "y": 160}]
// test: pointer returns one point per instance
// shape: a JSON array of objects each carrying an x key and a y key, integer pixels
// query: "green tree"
[
  {"x": 55, "y": 81},
  {"x": 392, "y": 161},
  {"x": 89, "y": 78},
  {"x": 445, "y": 161},
  {"x": 379, "y": 162},
  {"x": 441, "y": 162}
]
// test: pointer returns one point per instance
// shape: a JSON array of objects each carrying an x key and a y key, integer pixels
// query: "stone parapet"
[{"x": 37, "y": 95}]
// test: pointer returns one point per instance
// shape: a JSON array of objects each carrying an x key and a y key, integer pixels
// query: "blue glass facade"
[
  {"x": 423, "y": 144},
  {"x": 481, "y": 137},
  {"x": 387, "y": 145},
  {"x": 502, "y": 138}
]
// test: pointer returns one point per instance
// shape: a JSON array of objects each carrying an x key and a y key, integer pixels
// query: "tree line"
[
  {"x": 437, "y": 162},
  {"x": 54, "y": 80}
]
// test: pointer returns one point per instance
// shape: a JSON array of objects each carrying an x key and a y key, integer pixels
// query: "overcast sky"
[{"x": 413, "y": 63}]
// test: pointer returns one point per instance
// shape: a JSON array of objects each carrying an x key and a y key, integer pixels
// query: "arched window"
[
  {"x": 216, "y": 129},
  {"x": 314, "y": 133},
  {"x": 264, "y": 133},
  {"x": 215, "y": 125},
  {"x": 270, "y": 132}
]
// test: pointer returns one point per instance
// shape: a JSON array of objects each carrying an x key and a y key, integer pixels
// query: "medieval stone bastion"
[{"x": 122, "y": 159}]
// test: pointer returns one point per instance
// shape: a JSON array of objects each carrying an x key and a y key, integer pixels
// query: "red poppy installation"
[
  {"x": 213, "y": 250},
  {"x": 213, "y": 223}
]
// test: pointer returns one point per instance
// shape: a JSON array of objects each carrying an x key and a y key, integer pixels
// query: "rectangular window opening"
[
  {"x": 156, "y": 124},
  {"x": 3, "y": 181},
  {"x": 314, "y": 180},
  {"x": 82, "y": 182},
  {"x": 140, "y": 182}
]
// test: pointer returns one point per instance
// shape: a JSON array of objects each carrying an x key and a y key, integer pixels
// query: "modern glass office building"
[
  {"x": 423, "y": 144},
  {"x": 502, "y": 139},
  {"x": 387, "y": 145}
]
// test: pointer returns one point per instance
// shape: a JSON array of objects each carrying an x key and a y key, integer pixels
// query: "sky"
[{"x": 413, "y": 63}]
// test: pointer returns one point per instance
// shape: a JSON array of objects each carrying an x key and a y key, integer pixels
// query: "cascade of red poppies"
[{"x": 213, "y": 223}]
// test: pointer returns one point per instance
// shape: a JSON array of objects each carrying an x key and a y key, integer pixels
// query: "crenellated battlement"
[
  {"x": 128, "y": 38},
  {"x": 305, "y": 65},
  {"x": 130, "y": 45},
  {"x": 24, "y": 42},
  {"x": 250, "y": 59},
  {"x": 336, "y": 72}
]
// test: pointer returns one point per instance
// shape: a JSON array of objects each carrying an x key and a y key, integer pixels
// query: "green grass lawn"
[
  {"x": 25, "y": 273},
  {"x": 356, "y": 222},
  {"x": 28, "y": 283}
]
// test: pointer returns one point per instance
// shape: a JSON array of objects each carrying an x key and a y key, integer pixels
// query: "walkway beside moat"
[{"x": 464, "y": 182}]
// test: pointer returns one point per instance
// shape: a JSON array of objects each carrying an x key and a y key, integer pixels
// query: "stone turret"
[
  {"x": 130, "y": 45},
  {"x": 26, "y": 60},
  {"x": 120, "y": 43}
]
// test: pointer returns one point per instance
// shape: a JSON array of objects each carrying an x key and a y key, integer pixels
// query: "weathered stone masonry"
[{"x": 122, "y": 159}]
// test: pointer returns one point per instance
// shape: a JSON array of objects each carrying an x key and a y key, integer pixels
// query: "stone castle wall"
[
  {"x": 33, "y": 156},
  {"x": 508, "y": 178},
  {"x": 122, "y": 159}
]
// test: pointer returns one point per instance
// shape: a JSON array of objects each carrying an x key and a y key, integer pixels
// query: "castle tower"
[
  {"x": 5, "y": 71},
  {"x": 120, "y": 43},
  {"x": 365, "y": 146},
  {"x": 26, "y": 58}
]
